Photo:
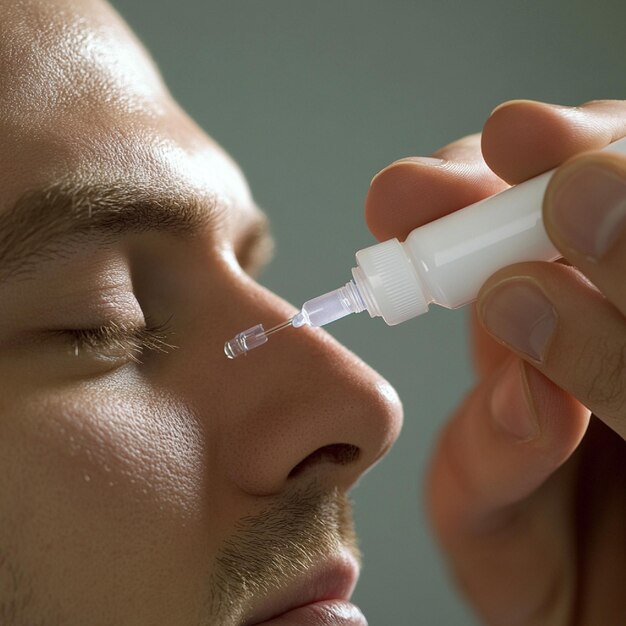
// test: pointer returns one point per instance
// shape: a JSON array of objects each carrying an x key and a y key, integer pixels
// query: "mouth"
[{"x": 319, "y": 598}]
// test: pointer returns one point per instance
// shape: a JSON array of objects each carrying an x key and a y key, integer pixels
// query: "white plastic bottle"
[{"x": 447, "y": 261}]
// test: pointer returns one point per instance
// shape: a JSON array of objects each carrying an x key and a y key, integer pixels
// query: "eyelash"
[{"x": 133, "y": 341}]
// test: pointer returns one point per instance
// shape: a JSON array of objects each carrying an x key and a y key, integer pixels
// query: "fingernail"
[
  {"x": 428, "y": 161},
  {"x": 508, "y": 103},
  {"x": 511, "y": 406},
  {"x": 431, "y": 161},
  {"x": 588, "y": 208},
  {"x": 518, "y": 312},
  {"x": 512, "y": 103}
]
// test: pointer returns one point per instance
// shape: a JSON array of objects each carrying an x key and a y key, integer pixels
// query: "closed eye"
[{"x": 119, "y": 339}]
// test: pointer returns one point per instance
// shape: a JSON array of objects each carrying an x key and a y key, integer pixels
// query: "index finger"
[{"x": 417, "y": 190}]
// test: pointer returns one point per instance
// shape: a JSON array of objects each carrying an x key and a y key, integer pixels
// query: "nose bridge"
[{"x": 300, "y": 402}]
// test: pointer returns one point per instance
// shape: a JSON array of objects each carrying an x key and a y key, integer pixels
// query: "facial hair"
[{"x": 276, "y": 546}]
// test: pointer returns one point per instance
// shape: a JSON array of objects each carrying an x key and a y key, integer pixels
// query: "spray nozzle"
[{"x": 319, "y": 311}]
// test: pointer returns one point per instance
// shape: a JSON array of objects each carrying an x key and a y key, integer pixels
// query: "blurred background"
[{"x": 312, "y": 99}]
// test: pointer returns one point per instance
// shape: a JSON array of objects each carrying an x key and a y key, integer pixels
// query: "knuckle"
[{"x": 602, "y": 375}]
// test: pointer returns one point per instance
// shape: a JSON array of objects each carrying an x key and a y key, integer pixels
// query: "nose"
[{"x": 300, "y": 406}]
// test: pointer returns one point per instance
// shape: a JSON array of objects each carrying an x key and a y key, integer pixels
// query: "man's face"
[{"x": 144, "y": 478}]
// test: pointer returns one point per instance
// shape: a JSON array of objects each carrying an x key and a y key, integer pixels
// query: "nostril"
[{"x": 339, "y": 453}]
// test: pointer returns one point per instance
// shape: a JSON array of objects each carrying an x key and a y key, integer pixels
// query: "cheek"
[
  {"x": 126, "y": 445},
  {"x": 106, "y": 487}
]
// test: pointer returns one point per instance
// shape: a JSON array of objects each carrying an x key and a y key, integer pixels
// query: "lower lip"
[{"x": 336, "y": 612}]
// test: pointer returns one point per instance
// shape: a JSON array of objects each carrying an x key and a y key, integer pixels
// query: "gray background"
[{"x": 312, "y": 98}]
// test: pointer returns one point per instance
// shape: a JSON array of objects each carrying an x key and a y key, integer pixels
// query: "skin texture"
[
  {"x": 148, "y": 490},
  {"x": 526, "y": 492},
  {"x": 145, "y": 486}
]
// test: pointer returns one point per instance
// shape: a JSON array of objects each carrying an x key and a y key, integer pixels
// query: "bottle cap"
[{"x": 392, "y": 281}]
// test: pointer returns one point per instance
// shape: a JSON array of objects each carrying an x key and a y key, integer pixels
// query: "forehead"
[{"x": 79, "y": 95}]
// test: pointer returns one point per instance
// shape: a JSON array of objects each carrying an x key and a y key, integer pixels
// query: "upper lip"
[{"x": 333, "y": 579}]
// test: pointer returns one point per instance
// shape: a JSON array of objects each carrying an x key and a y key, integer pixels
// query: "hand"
[{"x": 526, "y": 492}]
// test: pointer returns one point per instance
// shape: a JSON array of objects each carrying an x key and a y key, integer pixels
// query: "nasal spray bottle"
[{"x": 444, "y": 262}]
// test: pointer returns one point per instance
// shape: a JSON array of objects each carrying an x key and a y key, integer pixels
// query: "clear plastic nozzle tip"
[
  {"x": 245, "y": 341},
  {"x": 251, "y": 338},
  {"x": 316, "y": 312}
]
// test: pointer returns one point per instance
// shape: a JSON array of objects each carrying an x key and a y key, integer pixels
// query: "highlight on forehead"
[
  {"x": 71, "y": 54},
  {"x": 37, "y": 225}
]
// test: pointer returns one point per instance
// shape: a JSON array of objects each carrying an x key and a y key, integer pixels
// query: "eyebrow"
[{"x": 42, "y": 222}]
